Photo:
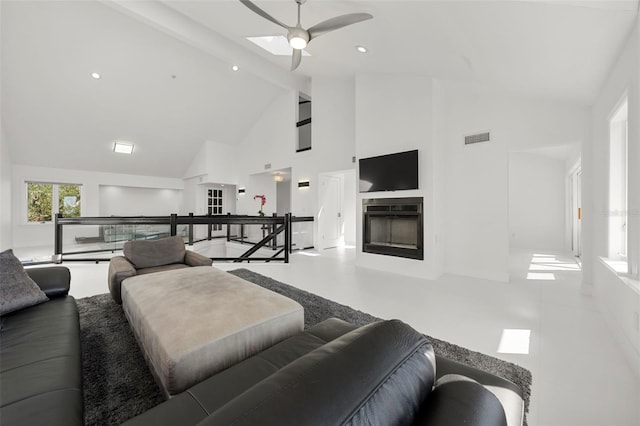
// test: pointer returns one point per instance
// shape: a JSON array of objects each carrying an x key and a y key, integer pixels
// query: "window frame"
[
  {"x": 302, "y": 123},
  {"x": 55, "y": 199},
  {"x": 618, "y": 185}
]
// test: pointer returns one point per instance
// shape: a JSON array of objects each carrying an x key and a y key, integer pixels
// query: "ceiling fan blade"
[
  {"x": 262, "y": 13},
  {"x": 296, "y": 57},
  {"x": 337, "y": 23}
]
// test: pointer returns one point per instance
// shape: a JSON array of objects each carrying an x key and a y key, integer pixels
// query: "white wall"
[
  {"x": 222, "y": 163},
  {"x": 259, "y": 184},
  {"x": 215, "y": 164},
  {"x": 394, "y": 113},
  {"x": 349, "y": 207},
  {"x": 198, "y": 166},
  {"x": 272, "y": 140},
  {"x": 31, "y": 235},
  {"x": 6, "y": 238},
  {"x": 537, "y": 201},
  {"x": 333, "y": 146},
  {"x": 132, "y": 201},
  {"x": 283, "y": 201},
  {"x": 334, "y": 127},
  {"x": 465, "y": 188},
  {"x": 6, "y": 231},
  {"x": 476, "y": 176},
  {"x": 476, "y": 188},
  {"x": 269, "y": 141},
  {"x": 192, "y": 197},
  {"x": 618, "y": 301}
]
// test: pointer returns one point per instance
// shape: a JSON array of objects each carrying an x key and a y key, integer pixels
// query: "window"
[
  {"x": 46, "y": 199},
  {"x": 618, "y": 180},
  {"x": 304, "y": 123}
]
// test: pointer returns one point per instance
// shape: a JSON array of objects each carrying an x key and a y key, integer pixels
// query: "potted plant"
[{"x": 263, "y": 201}]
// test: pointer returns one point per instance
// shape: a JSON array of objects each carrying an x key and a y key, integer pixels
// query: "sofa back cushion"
[
  {"x": 152, "y": 253},
  {"x": 377, "y": 374}
]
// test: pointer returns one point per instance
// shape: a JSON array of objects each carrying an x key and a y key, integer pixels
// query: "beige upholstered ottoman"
[{"x": 193, "y": 322}]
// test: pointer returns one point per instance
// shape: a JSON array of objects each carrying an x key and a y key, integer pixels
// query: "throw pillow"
[{"x": 17, "y": 289}]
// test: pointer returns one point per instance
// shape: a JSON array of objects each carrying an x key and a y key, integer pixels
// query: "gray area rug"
[{"x": 118, "y": 384}]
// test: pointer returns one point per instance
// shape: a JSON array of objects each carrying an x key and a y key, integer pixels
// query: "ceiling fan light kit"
[{"x": 299, "y": 37}]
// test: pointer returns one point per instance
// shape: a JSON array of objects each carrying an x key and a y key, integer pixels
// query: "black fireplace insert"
[{"x": 393, "y": 227}]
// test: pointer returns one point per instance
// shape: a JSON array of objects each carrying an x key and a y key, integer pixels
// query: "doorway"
[
  {"x": 336, "y": 216},
  {"x": 330, "y": 214}
]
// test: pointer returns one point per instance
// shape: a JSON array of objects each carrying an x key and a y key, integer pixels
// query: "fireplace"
[{"x": 393, "y": 227}]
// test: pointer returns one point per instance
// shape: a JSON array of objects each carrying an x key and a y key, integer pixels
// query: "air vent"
[
  {"x": 477, "y": 138},
  {"x": 267, "y": 166}
]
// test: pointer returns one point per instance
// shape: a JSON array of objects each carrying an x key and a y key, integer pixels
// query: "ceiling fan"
[{"x": 299, "y": 37}]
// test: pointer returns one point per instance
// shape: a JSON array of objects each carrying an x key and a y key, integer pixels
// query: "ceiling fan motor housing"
[{"x": 298, "y": 38}]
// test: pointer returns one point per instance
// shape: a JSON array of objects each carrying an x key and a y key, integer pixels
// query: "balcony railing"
[{"x": 250, "y": 238}]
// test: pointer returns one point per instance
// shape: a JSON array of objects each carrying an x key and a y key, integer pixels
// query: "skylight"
[{"x": 276, "y": 45}]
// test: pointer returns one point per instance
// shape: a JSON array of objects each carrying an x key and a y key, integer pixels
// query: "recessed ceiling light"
[
  {"x": 95, "y": 75},
  {"x": 361, "y": 49},
  {"x": 123, "y": 148},
  {"x": 235, "y": 68},
  {"x": 276, "y": 45}
]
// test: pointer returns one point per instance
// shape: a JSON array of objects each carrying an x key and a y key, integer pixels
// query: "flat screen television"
[{"x": 391, "y": 172}]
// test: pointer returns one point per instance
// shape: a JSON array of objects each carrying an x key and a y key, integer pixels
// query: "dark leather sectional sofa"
[
  {"x": 333, "y": 373},
  {"x": 40, "y": 357},
  {"x": 336, "y": 373}
]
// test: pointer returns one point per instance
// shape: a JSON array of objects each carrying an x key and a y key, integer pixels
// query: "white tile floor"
[{"x": 579, "y": 376}]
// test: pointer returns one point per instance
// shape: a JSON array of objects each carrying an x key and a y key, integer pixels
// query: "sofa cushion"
[
  {"x": 162, "y": 268},
  {"x": 194, "y": 405},
  {"x": 40, "y": 365},
  {"x": 17, "y": 289},
  {"x": 150, "y": 253}
]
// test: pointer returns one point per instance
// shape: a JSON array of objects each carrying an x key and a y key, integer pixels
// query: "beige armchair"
[{"x": 147, "y": 256}]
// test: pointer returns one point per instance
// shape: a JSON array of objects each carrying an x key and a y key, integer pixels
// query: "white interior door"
[{"x": 330, "y": 216}]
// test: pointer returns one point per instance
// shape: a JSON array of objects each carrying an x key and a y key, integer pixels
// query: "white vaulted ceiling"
[
  {"x": 55, "y": 114},
  {"x": 155, "y": 91}
]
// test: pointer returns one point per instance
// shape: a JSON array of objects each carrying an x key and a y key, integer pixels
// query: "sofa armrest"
[
  {"x": 459, "y": 400},
  {"x": 119, "y": 270},
  {"x": 54, "y": 281},
  {"x": 509, "y": 394},
  {"x": 192, "y": 258}
]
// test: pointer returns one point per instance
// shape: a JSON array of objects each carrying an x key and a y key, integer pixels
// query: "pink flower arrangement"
[{"x": 263, "y": 201}]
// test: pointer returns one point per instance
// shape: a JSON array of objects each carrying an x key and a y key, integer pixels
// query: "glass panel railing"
[
  {"x": 264, "y": 238},
  {"x": 302, "y": 233}
]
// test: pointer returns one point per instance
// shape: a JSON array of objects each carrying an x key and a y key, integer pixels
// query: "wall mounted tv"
[{"x": 391, "y": 172}]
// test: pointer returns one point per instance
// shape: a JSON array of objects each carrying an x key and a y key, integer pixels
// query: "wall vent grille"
[{"x": 477, "y": 138}]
